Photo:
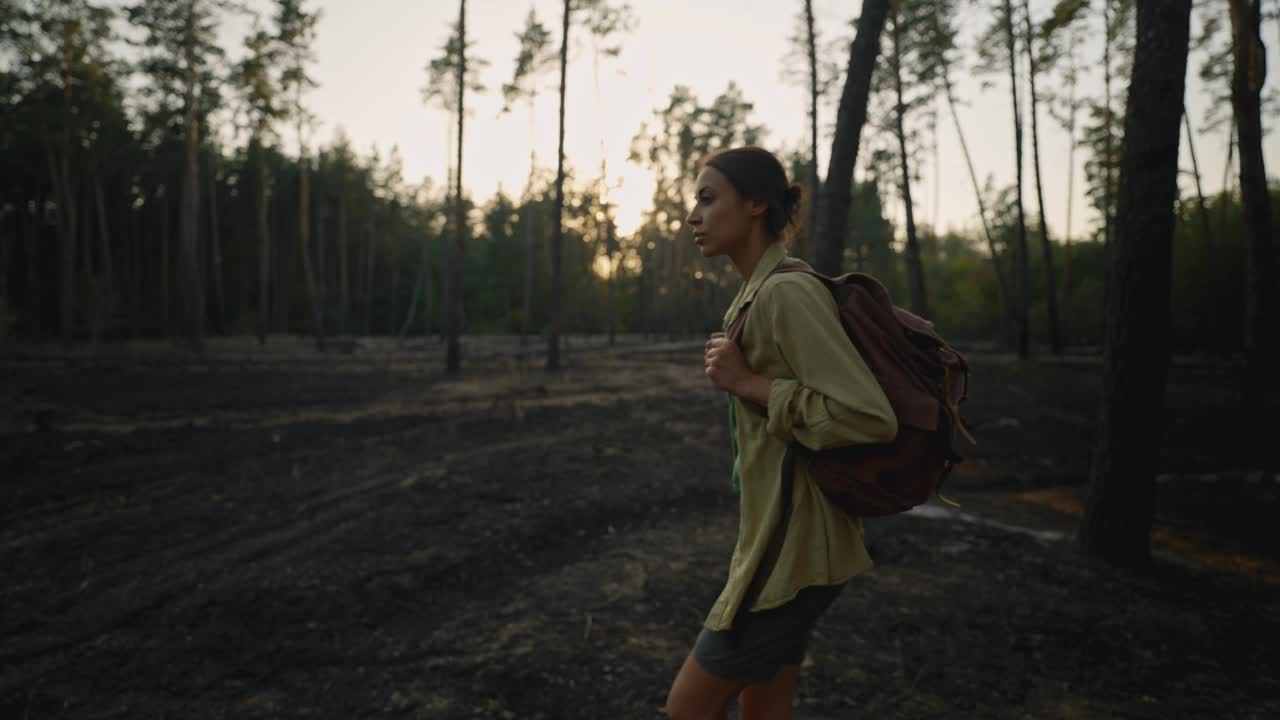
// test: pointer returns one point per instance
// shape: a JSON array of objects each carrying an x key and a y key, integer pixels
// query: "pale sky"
[{"x": 371, "y": 56}]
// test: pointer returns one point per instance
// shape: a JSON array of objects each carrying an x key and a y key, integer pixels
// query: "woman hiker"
[{"x": 794, "y": 377}]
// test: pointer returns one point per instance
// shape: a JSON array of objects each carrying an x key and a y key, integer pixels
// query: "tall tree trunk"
[
  {"x": 215, "y": 242},
  {"x": 193, "y": 284},
  {"x": 393, "y": 262},
  {"x": 324, "y": 215},
  {"x": 453, "y": 355},
  {"x": 137, "y": 269},
  {"x": 1002, "y": 289},
  {"x": 811, "y": 229},
  {"x": 264, "y": 248},
  {"x": 367, "y": 291},
  {"x": 915, "y": 269},
  {"x": 344, "y": 286},
  {"x": 1247, "y": 80},
  {"x": 613, "y": 307},
  {"x": 92, "y": 272},
  {"x": 1117, "y": 521},
  {"x": 282, "y": 273},
  {"x": 1108, "y": 221},
  {"x": 557, "y": 234},
  {"x": 1071, "y": 170},
  {"x": 67, "y": 232},
  {"x": 1046, "y": 247},
  {"x": 1023, "y": 273},
  {"x": 110, "y": 299},
  {"x": 530, "y": 257},
  {"x": 837, "y": 193},
  {"x": 31, "y": 224},
  {"x": 529, "y": 214},
  {"x": 446, "y": 247},
  {"x": 304, "y": 248}
]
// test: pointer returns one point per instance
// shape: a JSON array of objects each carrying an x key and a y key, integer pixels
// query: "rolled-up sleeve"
[{"x": 833, "y": 400}]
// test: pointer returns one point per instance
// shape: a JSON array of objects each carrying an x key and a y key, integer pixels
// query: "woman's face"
[{"x": 721, "y": 219}]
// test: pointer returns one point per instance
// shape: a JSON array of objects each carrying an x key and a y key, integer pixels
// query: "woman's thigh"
[
  {"x": 698, "y": 695},
  {"x": 771, "y": 700}
]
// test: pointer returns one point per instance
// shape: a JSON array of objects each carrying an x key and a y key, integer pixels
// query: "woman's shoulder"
[{"x": 790, "y": 288}]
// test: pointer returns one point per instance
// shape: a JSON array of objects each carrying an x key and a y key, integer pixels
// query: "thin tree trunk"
[
  {"x": 915, "y": 270},
  {"x": 344, "y": 287},
  {"x": 67, "y": 227},
  {"x": 264, "y": 249},
  {"x": 1071, "y": 172},
  {"x": 530, "y": 255},
  {"x": 837, "y": 193},
  {"x": 110, "y": 299},
  {"x": 393, "y": 265},
  {"x": 453, "y": 355},
  {"x": 1001, "y": 285},
  {"x": 137, "y": 271},
  {"x": 1107, "y": 219},
  {"x": 282, "y": 274},
  {"x": 446, "y": 247},
  {"x": 31, "y": 251},
  {"x": 323, "y": 215},
  {"x": 189, "y": 255},
  {"x": 95, "y": 304},
  {"x": 1118, "y": 517},
  {"x": 304, "y": 248},
  {"x": 1046, "y": 247},
  {"x": 1023, "y": 273},
  {"x": 613, "y": 308},
  {"x": 814, "y": 182},
  {"x": 368, "y": 273},
  {"x": 215, "y": 242},
  {"x": 1247, "y": 80},
  {"x": 557, "y": 235},
  {"x": 530, "y": 250}
]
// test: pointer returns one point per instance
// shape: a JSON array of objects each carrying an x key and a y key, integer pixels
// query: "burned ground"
[{"x": 285, "y": 533}]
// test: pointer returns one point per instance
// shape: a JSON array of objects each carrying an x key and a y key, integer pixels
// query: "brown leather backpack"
[{"x": 924, "y": 379}]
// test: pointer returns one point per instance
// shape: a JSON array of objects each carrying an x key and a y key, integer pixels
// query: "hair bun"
[{"x": 791, "y": 201}]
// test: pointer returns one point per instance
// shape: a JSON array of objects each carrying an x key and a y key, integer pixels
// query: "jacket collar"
[{"x": 769, "y": 261}]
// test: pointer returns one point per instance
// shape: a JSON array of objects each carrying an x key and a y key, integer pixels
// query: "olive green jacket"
[{"x": 822, "y": 395}]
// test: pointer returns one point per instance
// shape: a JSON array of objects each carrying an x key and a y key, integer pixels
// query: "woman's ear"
[{"x": 757, "y": 207}]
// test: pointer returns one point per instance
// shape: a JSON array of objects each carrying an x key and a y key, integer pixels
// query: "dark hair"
[{"x": 757, "y": 175}]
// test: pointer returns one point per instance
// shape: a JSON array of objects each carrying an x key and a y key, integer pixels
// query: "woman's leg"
[
  {"x": 698, "y": 695},
  {"x": 771, "y": 700}
]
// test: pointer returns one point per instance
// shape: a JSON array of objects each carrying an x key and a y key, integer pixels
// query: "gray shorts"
[{"x": 761, "y": 642}]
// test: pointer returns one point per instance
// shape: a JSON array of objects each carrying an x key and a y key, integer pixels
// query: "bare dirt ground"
[{"x": 281, "y": 533}]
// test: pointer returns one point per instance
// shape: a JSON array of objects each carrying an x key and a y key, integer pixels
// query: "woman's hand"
[{"x": 727, "y": 369}]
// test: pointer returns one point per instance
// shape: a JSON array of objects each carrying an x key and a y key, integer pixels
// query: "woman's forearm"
[{"x": 754, "y": 388}]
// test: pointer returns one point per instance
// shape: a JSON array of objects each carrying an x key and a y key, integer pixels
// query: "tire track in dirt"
[
  {"x": 327, "y": 513},
  {"x": 479, "y": 410},
  {"x": 233, "y": 548}
]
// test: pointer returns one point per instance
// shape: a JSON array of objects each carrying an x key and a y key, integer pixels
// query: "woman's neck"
[{"x": 747, "y": 257}]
